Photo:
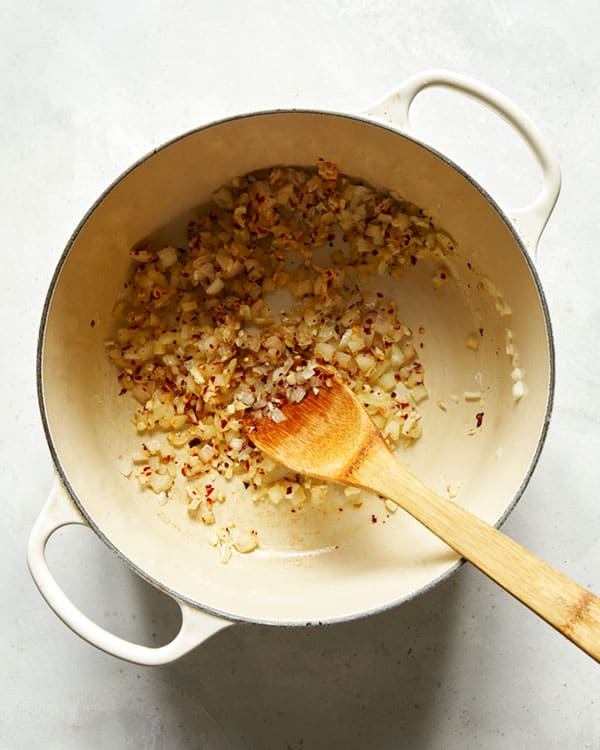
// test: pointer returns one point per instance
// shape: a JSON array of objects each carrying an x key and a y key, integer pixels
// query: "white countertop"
[{"x": 87, "y": 88}]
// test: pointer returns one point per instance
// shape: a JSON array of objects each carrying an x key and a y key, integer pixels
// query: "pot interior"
[{"x": 315, "y": 565}]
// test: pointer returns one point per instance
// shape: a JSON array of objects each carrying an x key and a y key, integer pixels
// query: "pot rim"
[{"x": 41, "y": 340}]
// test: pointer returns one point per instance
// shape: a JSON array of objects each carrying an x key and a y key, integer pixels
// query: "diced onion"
[{"x": 199, "y": 344}]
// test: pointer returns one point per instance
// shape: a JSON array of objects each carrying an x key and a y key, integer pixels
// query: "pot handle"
[
  {"x": 529, "y": 220},
  {"x": 196, "y": 625}
]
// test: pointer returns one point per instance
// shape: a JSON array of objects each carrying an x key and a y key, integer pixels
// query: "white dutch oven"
[{"x": 321, "y": 565}]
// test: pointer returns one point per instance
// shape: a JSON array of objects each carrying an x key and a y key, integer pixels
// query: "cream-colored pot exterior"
[{"x": 320, "y": 565}]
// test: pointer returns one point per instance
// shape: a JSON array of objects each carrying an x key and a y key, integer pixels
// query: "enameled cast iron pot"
[{"x": 324, "y": 566}]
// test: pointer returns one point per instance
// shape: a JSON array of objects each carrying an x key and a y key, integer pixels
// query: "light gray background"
[{"x": 87, "y": 88}]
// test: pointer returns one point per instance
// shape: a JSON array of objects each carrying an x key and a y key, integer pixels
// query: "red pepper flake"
[
  {"x": 288, "y": 490},
  {"x": 223, "y": 424},
  {"x": 479, "y": 418},
  {"x": 194, "y": 442},
  {"x": 92, "y": 323},
  {"x": 122, "y": 391},
  {"x": 421, "y": 330},
  {"x": 373, "y": 518},
  {"x": 413, "y": 260},
  {"x": 341, "y": 510}
]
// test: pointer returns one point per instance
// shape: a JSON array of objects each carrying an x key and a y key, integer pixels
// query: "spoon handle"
[{"x": 570, "y": 608}]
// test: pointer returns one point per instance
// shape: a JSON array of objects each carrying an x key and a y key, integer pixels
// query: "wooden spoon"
[{"x": 330, "y": 436}]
